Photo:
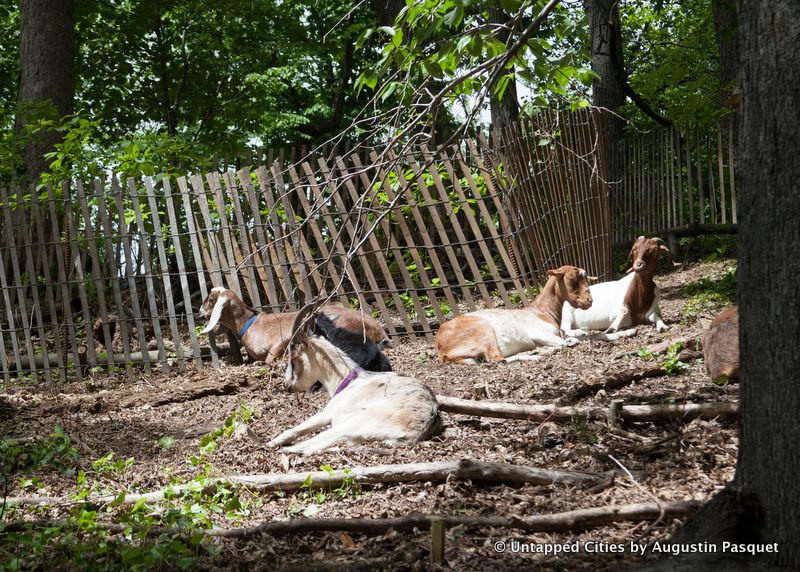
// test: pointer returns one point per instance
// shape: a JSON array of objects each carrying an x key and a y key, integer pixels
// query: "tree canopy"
[{"x": 169, "y": 82}]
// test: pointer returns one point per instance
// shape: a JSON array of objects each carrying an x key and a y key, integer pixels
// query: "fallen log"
[
  {"x": 570, "y": 521},
  {"x": 441, "y": 471},
  {"x": 629, "y": 413}
]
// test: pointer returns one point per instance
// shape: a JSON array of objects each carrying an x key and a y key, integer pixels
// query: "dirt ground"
[{"x": 128, "y": 412}]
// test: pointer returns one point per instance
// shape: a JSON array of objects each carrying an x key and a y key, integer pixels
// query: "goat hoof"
[{"x": 572, "y": 342}]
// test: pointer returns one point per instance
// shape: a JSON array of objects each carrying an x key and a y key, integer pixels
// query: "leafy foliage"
[{"x": 672, "y": 58}]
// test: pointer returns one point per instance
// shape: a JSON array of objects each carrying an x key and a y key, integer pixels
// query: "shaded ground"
[{"x": 128, "y": 413}]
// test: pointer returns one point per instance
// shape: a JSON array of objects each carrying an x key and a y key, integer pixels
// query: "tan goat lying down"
[
  {"x": 364, "y": 406},
  {"x": 265, "y": 336},
  {"x": 498, "y": 334}
]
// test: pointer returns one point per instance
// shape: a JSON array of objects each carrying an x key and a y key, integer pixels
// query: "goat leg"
[{"x": 316, "y": 421}]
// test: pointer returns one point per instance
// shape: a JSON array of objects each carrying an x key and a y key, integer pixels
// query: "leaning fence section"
[
  {"x": 107, "y": 274},
  {"x": 676, "y": 180},
  {"x": 554, "y": 171}
]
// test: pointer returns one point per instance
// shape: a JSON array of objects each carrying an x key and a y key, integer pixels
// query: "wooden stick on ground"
[
  {"x": 570, "y": 521},
  {"x": 464, "y": 469},
  {"x": 629, "y": 413}
]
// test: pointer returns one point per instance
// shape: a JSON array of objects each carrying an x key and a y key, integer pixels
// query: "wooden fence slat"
[
  {"x": 19, "y": 287},
  {"x": 215, "y": 187},
  {"x": 292, "y": 239},
  {"x": 444, "y": 238},
  {"x": 197, "y": 257},
  {"x": 60, "y": 236},
  {"x": 182, "y": 274},
  {"x": 113, "y": 271},
  {"x": 475, "y": 226},
  {"x": 721, "y": 175},
  {"x": 215, "y": 267},
  {"x": 410, "y": 247},
  {"x": 249, "y": 261},
  {"x": 274, "y": 225},
  {"x": 12, "y": 330},
  {"x": 97, "y": 279},
  {"x": 148, "y": 276},
  {"x": 33, "y": 278},
  {"x": 701, "y": 203},
  {"x": 326, "y": 255},
  {"x": 521, "y": 281},
  {"x": 76, "y": 262},
  {"x": 130, "y": 270},
  {"x": 45, "y": 248},
  {"x": 260, "y": 252},
  {"x": 537, "y": 204},
  {"x": 162, "y": 258}
]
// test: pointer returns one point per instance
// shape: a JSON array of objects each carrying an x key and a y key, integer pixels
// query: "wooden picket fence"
[
  {"x": 676, "y": 179},
  {"x": 111, "y": 273}
]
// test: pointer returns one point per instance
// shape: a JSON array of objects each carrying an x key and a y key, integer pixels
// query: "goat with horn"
[
  {"x": 364, "y": 406},
  {"x": 629, "y": 301},
  {"x": 265, "y": 336}
]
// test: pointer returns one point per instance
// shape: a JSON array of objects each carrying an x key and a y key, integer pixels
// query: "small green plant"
[
  {"x": 209, "y": 442},
  {"x": 645, "y": 354},
  {"x": 53, "y": 452},
  {"x": 578, "y": 428},
  {"x": 673, "y": 365}
]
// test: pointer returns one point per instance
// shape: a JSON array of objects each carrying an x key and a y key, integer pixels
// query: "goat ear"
[
  {"x": 592, "y": 278},
  {"x": 222, "y": 301},
  {"x": 303, "y": 317},
  {"x": 557, "y": 273}
]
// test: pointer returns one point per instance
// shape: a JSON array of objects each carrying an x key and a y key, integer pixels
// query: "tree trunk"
[
  {"x": 505, "y": 109},
  {"x": 769, "y": 143},
  {"x": 763, "y": 503},
  {"x": 726, "y": 29},
  {"x": 387, "y": 10},
  {"x": 47, "y": 72},
  {"x": 608, "y": 90}
]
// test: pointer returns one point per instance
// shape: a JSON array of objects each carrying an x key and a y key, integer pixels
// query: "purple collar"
[
  {"x": 354, "y": 373},
  {"x": 247, "y": 325}
]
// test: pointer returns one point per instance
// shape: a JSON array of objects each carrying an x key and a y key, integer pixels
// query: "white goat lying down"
[
  {"x": 265, "y": 336},
  {"x": 629, "y": 301},
  {"x": 364, "y": 406},
  {"x": 500, "y": 334}
]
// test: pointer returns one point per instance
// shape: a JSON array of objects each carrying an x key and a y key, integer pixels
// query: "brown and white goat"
[
  {"x": 501, "y": 334},
  {"x": 629, "y": 301},
  {"x": 721, "y": 345},
  {"x": 364, "y": 406},
  {"x": 265, "y": 336}
]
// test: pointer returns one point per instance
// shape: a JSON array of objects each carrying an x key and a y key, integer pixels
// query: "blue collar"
[
  {"x": 247, "y": 325},
  {"x": 346, "y": 381}
]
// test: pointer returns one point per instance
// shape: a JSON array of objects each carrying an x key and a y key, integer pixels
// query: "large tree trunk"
[
  {"x": 47, "y": 71},
  {"x": 762, "y": 504},
  {"x": 769, "y": 238}
]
